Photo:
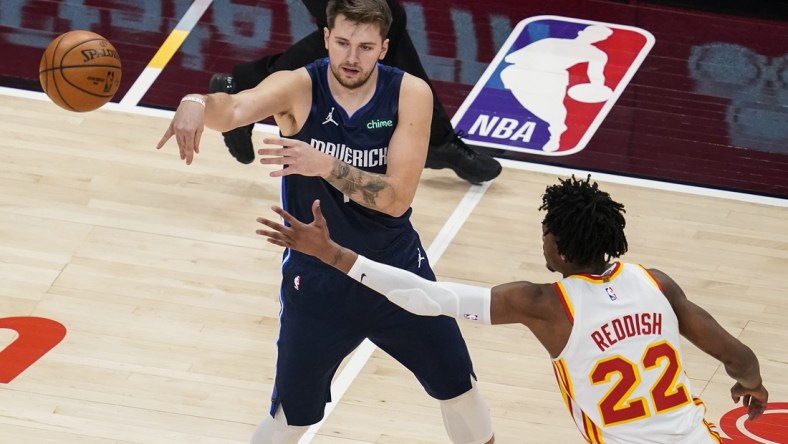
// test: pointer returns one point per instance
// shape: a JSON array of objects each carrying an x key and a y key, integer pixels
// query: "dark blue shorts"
[{"x": 326, "y": 315}]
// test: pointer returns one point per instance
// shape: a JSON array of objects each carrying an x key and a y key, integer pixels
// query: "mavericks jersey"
[
  {"x": 621, "y": 372},
  {"x": 360, "y": 140}
]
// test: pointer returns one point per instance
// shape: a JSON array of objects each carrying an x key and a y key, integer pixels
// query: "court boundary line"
[
  {"x": 647, "y": 183},
  {"x": 514, "y": 164},
  {"x": 168, "y": 48}
]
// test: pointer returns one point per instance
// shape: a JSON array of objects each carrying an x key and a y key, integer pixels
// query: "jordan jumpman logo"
[{"x": 330, "y": 117}]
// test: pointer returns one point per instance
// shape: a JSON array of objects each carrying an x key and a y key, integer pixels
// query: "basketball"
[
  {"x": 590, "y": 93},
  {"x": 80, "y": 71}
]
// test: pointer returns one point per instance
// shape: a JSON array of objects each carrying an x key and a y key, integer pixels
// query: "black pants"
[{"x": 401, "y": 53}]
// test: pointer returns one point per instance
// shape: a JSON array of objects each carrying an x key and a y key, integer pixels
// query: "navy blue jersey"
[
  {"x": 326, "y": 314},
  {"x": 361, "y": 140}
]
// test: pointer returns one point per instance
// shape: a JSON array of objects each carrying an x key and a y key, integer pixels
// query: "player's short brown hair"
[{"x": 361, "y": 11}]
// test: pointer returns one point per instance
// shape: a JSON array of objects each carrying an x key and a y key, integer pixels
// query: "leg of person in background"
[
  {"x": 248, "y": 75},
  {"x": 447, "y": 150}
]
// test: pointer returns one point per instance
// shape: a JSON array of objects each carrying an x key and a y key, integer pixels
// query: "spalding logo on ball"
[{"x": 80, "y": 71}]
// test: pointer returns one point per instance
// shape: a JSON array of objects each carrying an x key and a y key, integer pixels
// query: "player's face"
[
  {"x": 354, "y": 50},
  {"x": 553, "y": 260}
]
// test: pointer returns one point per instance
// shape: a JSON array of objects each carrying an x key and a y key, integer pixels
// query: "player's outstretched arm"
[
  {"x": 706, "y": 333},
  {"x": 277, "y": 94},
  {"x": 409, "y": 291}
]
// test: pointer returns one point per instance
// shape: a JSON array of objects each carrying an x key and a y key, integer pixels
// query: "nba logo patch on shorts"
[{"x": 551, "y": 85}]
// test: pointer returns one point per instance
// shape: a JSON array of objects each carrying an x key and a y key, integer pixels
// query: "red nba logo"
[{"x": 552, "y": 84}]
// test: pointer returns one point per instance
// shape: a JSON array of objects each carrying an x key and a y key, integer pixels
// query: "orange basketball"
[{"x": 80, "y": 71}]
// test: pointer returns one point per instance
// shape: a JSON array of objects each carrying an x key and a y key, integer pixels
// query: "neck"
[
  {"x": 595, "y": 269},
  {"x": 353, "y": 98}
]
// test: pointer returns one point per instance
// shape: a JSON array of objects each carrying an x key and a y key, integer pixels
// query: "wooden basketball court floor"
[{"x": 170, "y": 301}]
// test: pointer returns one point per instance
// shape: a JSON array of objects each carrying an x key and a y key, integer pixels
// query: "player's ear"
[
  {"x": 326, "y": 33},
  {"x": 385, "y": 49}
]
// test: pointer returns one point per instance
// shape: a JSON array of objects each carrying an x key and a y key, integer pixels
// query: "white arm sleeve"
[{"x": 423, "y": 297}]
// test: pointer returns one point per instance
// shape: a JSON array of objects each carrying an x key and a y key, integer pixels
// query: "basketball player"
[
  {"x": 446, "y": 148},
  {"x": 611, "y": 328},
  {"x": 355, "y": 137}
]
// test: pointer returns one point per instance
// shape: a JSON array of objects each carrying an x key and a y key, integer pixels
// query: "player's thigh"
[
  {"x": 318, "y": 329},
  {"x": 309, "y": 355},
  {"x": 431, "y": 347}
]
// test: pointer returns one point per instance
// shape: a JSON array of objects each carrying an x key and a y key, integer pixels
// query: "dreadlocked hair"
[{"x": 587, "y": 223}]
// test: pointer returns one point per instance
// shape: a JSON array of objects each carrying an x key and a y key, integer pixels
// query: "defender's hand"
[
  {"x": 312, "y": 239},
  {"x": 754, "y": 399}
]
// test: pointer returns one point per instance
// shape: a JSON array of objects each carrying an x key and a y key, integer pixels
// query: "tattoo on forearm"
[
  {"x": 341, "y": 169},
  {"x": 351, "y": 181}
]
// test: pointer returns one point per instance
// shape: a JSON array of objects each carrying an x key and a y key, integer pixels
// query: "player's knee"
[
  {"x": 274, "y": 430},
  {"x": 467, "y": 418}
]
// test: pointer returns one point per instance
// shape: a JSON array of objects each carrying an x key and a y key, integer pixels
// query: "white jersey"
[{"x": 621, "y": 372}]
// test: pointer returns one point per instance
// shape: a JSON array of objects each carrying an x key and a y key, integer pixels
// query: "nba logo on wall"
[{"x": 552, "y": 84}]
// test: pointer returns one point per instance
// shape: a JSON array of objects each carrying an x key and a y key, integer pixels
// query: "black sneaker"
[
  {"x": 239, "y": 140},
  {"x": 472, "y": 165},
  {"x": 221, "y": 82}
]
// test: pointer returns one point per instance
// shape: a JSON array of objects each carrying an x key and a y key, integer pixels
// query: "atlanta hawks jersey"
[
  {"x": 621, "y": 372},
  {"x": 361, "y": 140}
]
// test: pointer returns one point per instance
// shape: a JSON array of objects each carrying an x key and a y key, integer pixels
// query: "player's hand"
[
  {"x": 754, "y": 399},
  {"x": 312, "y": 239},
  {"x": 296, "y": 157},
  {"x": 187, "y": 126}
]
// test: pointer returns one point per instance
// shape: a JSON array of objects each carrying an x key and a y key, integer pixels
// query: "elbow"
[
  {"x": 397, "y": 208},
  {"x": 392, "y": 201},
  {"x": 395, "y": 211}
]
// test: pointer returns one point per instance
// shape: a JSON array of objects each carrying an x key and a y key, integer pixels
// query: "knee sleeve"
[
  {"x": 274, "y": 430},
  {"x": 467, "y": 418}
]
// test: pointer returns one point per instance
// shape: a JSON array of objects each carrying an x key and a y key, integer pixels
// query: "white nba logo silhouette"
[
  {"x": 330, "y": 117},
  {"x": 541, "y": 87}
]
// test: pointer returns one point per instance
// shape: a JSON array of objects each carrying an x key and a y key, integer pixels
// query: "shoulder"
[
  {"x": 414, "y": 94},
  {"x": 659, "y": 277},
  {"x": 415, "y": 86},
  {"x": 672, "y": 291},
  {"x": 283, "y": 94}
]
